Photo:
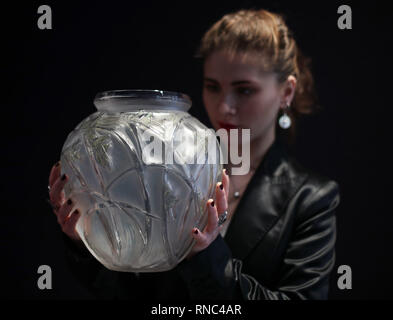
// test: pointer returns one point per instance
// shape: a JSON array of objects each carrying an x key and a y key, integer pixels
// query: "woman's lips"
[{"x": 227, "y": 126}]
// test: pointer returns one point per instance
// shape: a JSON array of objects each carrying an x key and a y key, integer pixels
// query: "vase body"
[{"x": 138, "y": 206}]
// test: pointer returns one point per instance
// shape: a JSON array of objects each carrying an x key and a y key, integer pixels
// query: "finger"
[
  {"x": 221, "y": 198},
  {"x": 54, "y": 173},
  {"x": 212, "y": 220},
  {"x": 70, "y": 224},
  {"x": 54, "y": 207},
  {"x": 201, "y": 240},
  {"x": 55, "y": 194},
  {"x": 225, "y": 182},
  {"x": 64, "y": 211}
]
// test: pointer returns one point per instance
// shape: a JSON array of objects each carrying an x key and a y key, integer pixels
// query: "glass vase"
[{"x": 140, "y": 171}]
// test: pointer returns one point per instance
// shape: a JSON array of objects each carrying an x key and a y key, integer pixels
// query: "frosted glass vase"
[{"x": 137, "y": 206}]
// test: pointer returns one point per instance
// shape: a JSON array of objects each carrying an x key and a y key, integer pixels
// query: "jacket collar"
[
  {"x": 272, "y": 186},
  {"x": 274, "y": 155}
]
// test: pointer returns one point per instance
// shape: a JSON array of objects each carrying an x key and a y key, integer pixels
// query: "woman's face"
[{"x": 237, "y": 94}]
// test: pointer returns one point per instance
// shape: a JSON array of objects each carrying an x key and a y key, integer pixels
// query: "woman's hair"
[{"x": 266, "y": 35}]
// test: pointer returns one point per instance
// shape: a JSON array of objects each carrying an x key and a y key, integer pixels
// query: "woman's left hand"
[{"x": 215, "y": 210}]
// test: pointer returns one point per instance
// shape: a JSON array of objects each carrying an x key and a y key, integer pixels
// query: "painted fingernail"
[
  {"x": 63, "y": 177},
  {"x": 212, "y": 203},
  {"x": 196, "y": 231},
  {"x": 69, "y": 202},
  {"x": 221, "y": 186}
]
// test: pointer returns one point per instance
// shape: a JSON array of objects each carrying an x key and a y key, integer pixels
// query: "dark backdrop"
[{"x": 50, "y": 78}]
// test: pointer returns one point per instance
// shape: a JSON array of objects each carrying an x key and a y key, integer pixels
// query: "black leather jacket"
[{"x": 279, "y": 245}]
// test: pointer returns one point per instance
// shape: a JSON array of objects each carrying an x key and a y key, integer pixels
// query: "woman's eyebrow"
[
  {"x": 240, "y": 82},
  {"x": 233, "y": 83},
  {"x": 209, "y": 79}
]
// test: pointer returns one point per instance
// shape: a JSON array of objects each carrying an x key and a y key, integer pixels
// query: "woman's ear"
[{"x": 288, "y": 90}]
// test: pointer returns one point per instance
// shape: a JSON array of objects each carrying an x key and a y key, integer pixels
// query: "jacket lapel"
[{"x": 264, "y": 201}]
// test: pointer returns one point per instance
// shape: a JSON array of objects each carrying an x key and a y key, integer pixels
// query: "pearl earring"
[{"x": 285, "y": 120}]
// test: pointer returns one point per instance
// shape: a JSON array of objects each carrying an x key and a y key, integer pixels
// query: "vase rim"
[{"x": 137, "y": 99}]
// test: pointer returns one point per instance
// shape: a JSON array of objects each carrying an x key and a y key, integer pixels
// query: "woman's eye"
[
  {"x": 211, "y": 87},
  {"x": 245, "y": 91}
]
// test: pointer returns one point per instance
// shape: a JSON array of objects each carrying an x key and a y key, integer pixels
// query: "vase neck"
[{"x": 134, "y": 100}]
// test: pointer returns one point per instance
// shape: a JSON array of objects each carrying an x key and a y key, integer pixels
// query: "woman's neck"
[{"x": 258, "y": 149}]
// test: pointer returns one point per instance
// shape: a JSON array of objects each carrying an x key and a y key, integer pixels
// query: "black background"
[{"x": 50, "y": 78}]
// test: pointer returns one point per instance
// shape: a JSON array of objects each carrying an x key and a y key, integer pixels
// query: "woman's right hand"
[{"x": 62, "y": 207}]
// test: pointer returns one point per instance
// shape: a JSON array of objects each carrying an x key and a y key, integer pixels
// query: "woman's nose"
[{"x": 226, "y": 105}]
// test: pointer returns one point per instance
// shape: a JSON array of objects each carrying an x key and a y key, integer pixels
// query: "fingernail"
[
  {"x": 225, "y": 172},
  {"x": 221, "y": 186},
  {"x": 76, "y": 212},
  {"x": 196, "y": 231},
  {"x": 212, "y": 203},
  {"x": 69, "y": 202},
  {"x": 63, "y": 177}
]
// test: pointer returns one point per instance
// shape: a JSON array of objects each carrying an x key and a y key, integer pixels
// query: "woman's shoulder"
[
  {"x": 312, "y": 177},
  {"x": 281, "y": 162},
  {"x": 317, "y": 191},
  {"x": 306, "y": 186}
]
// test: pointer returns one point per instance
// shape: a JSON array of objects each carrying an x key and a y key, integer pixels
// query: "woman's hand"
[
  {"x": 62, "y": 207},
  {"x": 215, "y": 210}
]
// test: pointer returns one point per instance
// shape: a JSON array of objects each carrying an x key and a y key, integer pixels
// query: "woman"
[{"x": 279, "y": 236}]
